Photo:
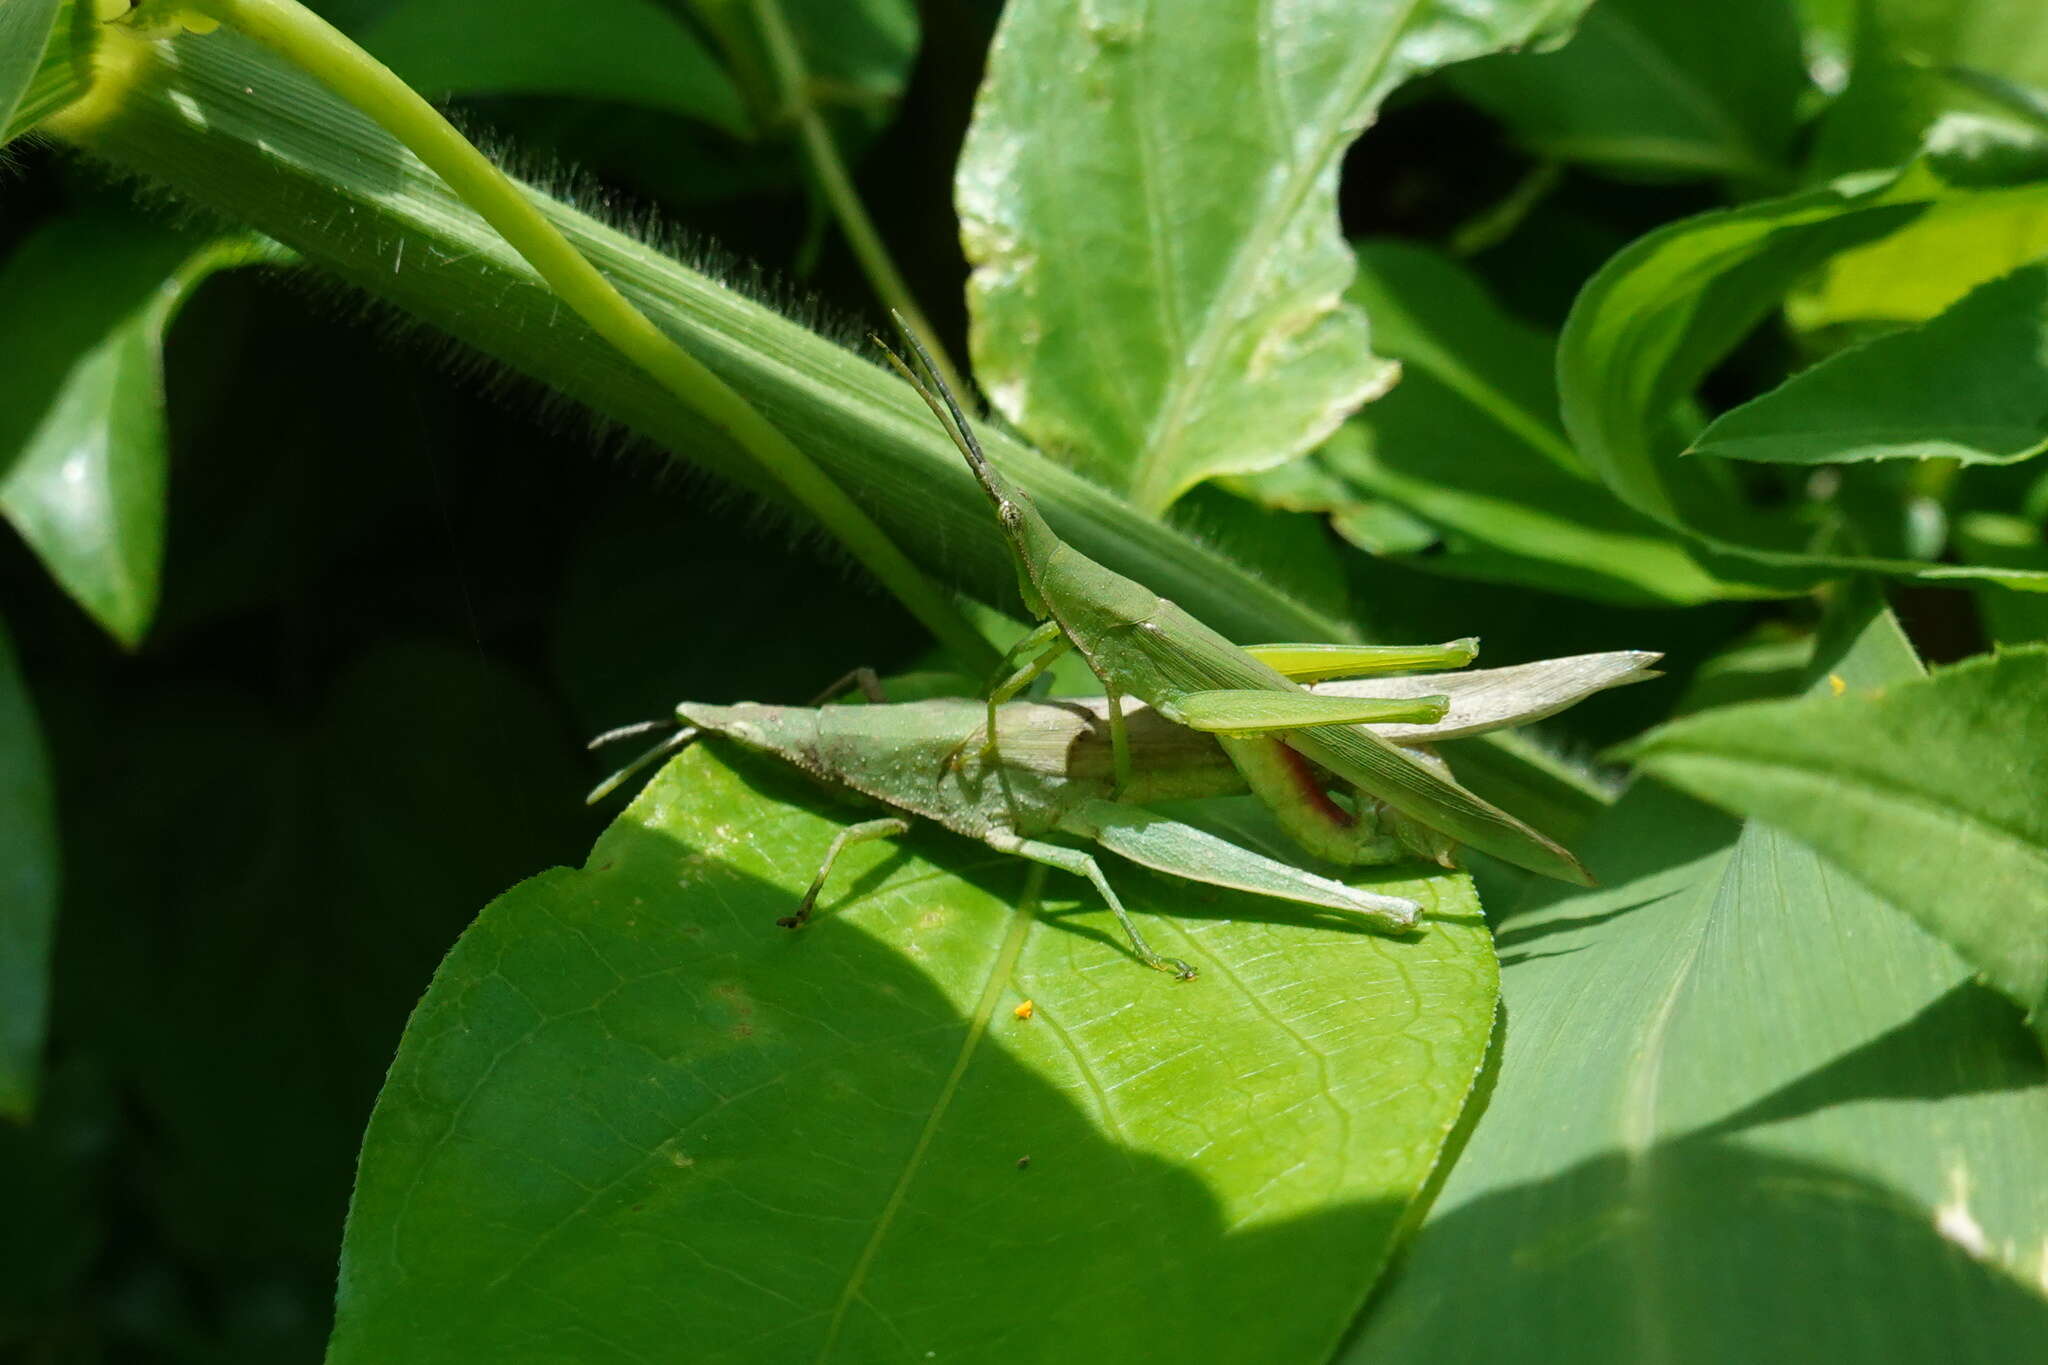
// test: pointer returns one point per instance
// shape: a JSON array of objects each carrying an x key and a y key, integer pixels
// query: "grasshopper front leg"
[
  {"x": 886, "y": 828},
  {"x": 1011, "y": 678}
]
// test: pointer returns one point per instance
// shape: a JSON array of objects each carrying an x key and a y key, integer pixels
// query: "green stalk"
[
  {"x": 829, "y": 169},
  {"x": 228, "y": 127},
  {"x": 324, "y": 52}
]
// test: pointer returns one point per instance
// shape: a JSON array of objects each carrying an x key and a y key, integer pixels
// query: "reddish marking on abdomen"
[{"x": 1311, "y": 789}]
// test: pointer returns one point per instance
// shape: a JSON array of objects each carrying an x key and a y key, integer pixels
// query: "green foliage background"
[{"x": 1718, "y": 330}]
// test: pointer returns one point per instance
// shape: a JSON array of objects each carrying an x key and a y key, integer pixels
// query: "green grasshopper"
[
  {"x": 1051, "y": 774},
  {"x": 1281, "y": 736}
]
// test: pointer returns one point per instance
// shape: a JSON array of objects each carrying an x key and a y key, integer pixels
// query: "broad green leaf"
[
  {"x": 1921, "y": 69},
  {"x": 632, "y": 1113},
  {"x": 1469, "y": 442},
  {"x": 628, "y": 51},
  {"x": 1650, "y": 325},
  {"x": 1652, "y": 86},
  {"x": 1988, "y": 403},
  {"x": 1744, "y": 1110},
  {"x": 1148, "y": 197},
  {"x": 1905, "y": 58},
  {"x": 25, "y": 27},
  {"x": 84, "y": 305},
  {"x": 857, "y": 51},
  {"x": 1928, "y": 792},
  {"x": 250, "y": 1040},
  {"x": 2009, "y": 37},
  {"x": 1928, "y": 265},
  {"x": 28, "y": 889}
]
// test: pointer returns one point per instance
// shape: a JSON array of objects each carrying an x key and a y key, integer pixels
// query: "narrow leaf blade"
[{"x": 1987, "y": 357}]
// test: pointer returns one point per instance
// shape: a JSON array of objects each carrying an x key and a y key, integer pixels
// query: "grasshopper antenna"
[
  {"x": 937, "y": 395},
  {"x": 938, "y": 382},
  {"x": 674, "y": 743}
]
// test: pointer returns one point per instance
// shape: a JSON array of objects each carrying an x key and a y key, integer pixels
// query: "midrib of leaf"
[
  {"x": 1639, "y": 1123},
  {"x": 1022, "y": 918},
  {"x": 1885, "y": 795},
  {"x": 1942, "y": 820},
  {"x": 1153, "y": 491}
]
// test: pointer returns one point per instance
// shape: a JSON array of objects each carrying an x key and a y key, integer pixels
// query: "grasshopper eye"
[{"x": 1011, "y": 515}]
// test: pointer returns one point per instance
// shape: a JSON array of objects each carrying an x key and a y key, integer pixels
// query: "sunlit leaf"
[
  {"x": 632, "y": 1112},
  {"x": 1469, "y": 441},
  {"x": 1149, "y": 200},
  {"x": 1647, "y": 85},
  {"x": 1929, "y": 264},
  {"x": 1744, "y": 1109},
  {"x": 1928, "y": 792},
  {"x": 28, "y": 890},
  {"x": 84, "y": 305},
  {"x": 1970, "y": 385},
  {"x": 1649, "y": 326}
]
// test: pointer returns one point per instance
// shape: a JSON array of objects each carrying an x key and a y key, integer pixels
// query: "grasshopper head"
[{"x": 1031, "y": 540}]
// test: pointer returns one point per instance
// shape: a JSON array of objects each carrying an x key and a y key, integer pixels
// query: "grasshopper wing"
[
  {"x": 1198, "y": 856},
  {"x": 1313, "y": 663},
  {"x": 1241, "y": 711}
]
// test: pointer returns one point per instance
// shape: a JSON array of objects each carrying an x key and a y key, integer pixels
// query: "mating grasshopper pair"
[{"x": 1185, "y": 713}]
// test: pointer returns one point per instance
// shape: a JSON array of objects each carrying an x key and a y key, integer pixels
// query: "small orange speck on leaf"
[
  {"x": 1024, "y": 1011},
  {"x": 1836, "y": 685}
]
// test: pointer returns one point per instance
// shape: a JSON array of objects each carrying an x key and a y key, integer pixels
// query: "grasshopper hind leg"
[{"x": 1084, "y": 865}]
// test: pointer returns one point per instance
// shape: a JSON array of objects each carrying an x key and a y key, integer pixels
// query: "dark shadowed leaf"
[
  {"x": 83, "y": 309},
  {"x": 628, "y": 51},
  {"x": 1744, "y": 1109},
  {"x": 28, "y": 890},
  {"x": 632, "y": 1112},
  {"x": 1650, "y": 86},
  {"x": 244, "y": 967},
  {"x": 1929, "y": 792},
  {"x": 1149, "y": 200}
]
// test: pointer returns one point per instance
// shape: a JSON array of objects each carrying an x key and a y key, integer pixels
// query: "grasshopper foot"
[{"x": 1172, "y": 966}]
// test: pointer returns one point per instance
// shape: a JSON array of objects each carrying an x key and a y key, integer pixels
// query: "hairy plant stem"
[
  {"x": 225, "y": 126},
  {"x": 324, "y": 52}
]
